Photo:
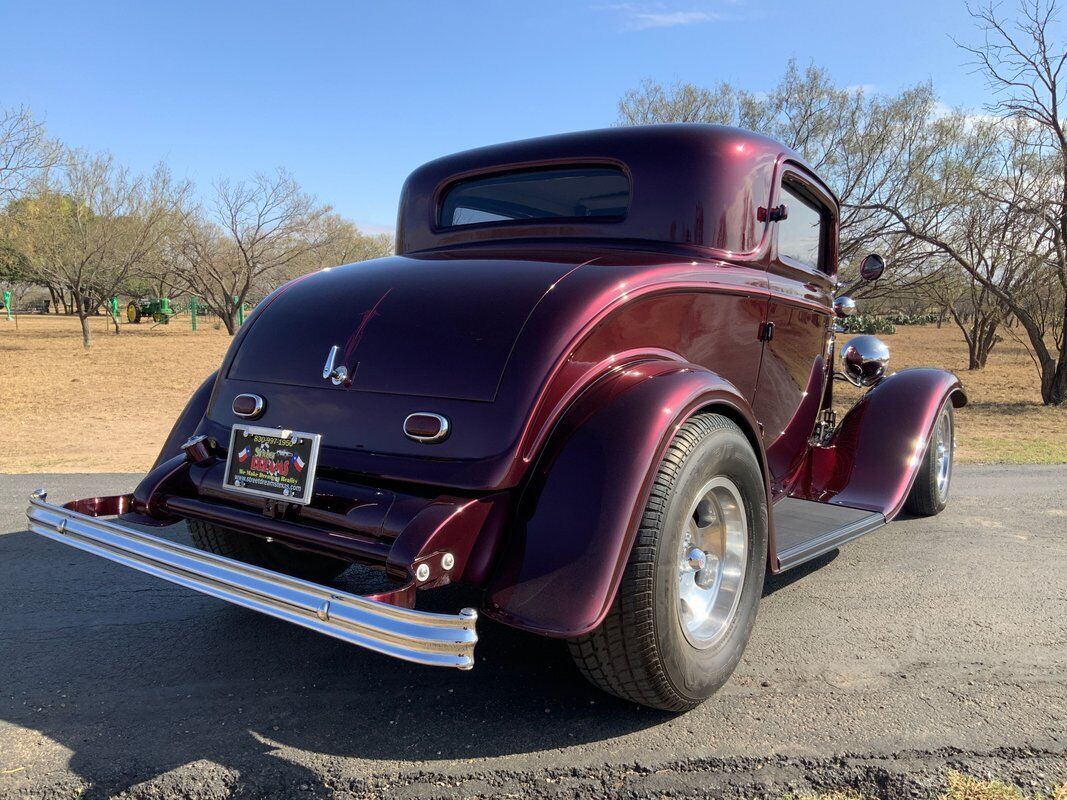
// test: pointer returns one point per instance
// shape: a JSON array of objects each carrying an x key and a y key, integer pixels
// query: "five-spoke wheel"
[{"x": 712, "y": 568}]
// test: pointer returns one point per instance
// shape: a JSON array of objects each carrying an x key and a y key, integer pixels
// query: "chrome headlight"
[{"x": 864, "y": 360}]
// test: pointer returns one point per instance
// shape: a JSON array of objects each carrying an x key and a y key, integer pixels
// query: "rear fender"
[
  {"x": 189, "y": 420},
  {"x": 873, "y": 458},
  {"x": 563, "y": 558}
]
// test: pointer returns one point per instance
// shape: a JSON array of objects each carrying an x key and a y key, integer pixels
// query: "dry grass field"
[
  {"x": 108, "y": 409},
  {"x": 1004, "y": 421},
  {"x": 964, "y": 787}
]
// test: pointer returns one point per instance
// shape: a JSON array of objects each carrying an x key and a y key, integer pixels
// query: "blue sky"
[{"x": 352, "y": 96}]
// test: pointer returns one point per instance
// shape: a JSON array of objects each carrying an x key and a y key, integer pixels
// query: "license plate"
[{"x": 274, "y": 463}]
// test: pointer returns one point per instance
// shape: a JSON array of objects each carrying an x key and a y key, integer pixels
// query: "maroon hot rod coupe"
[{"x": 594, "y": 382}]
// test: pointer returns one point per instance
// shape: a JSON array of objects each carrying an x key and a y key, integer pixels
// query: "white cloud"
[
  {"x": 641, "y": 16},
  {"x": 942, "y": 109},
  {"x": 373, "y": 229},
  {"x": 971, "y": 116},
  {"x": 669, "y": 19}
]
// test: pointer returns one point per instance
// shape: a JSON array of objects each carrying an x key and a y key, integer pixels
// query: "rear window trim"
[{"x": 511, "y": 169}]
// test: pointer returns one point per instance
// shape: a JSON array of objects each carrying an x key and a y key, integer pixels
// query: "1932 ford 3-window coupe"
[{"x": 594, "y": 382}]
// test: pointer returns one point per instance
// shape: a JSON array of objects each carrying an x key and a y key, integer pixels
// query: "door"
[{"x": 795, "y": 368}]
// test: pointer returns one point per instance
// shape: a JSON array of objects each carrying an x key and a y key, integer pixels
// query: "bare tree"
[
  {"x": 962, "y": 197},
  {"x": 653, "y": 103},
  {"x": 254, "y": 232},
  {"x": 90, "y": 222},
  {"x": 944, "y": 205},
  {"x": 1023, "y": 64},
  {"x": 344, "y": 244},
  {"x": 25, "y": 151},
  {"x": 976, "y": 313},
  {"x": 994, "y": 202}
]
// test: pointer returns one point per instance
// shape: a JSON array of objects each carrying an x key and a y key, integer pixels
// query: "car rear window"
[{"x": 599, "y": 193}]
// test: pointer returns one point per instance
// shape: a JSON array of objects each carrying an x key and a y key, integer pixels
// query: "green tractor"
[{"x": 158, "y": 308}]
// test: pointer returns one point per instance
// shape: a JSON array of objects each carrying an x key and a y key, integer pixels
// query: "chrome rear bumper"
[{"x": 443, "y": 640}]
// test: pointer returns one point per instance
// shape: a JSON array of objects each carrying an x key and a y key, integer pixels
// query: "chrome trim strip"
[{"x": 443, "y": 640}]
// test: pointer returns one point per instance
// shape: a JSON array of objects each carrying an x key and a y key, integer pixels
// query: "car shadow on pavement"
[
  {"x": 774, "y": 583},
  {"x": 137, "y": 677}
]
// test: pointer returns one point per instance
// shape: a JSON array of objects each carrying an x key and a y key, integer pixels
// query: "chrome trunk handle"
[{"x": 336, "y": 374}]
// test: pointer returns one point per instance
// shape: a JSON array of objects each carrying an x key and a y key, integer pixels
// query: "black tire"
[
  {"x": 133, "y": 313},
  {"x": 270, "y": 555},
  {"x": 640, "y": 651},
  {"x": 929, "y": 494}
]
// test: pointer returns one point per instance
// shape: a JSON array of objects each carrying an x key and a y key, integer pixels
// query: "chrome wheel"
[
  {"x": 712, "y": 561},
  {"x": 943, "y": 445}
]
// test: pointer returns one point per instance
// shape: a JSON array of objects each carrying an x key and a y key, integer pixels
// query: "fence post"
[
  {"x": 192, "y": 310},
  {"x": 7, "y": 305}
]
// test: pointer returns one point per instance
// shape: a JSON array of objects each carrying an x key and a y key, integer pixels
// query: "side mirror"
[{"x": 872, "y": 267}]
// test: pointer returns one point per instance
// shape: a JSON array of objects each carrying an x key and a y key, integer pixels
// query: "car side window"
[{"x": 801, "y": 234}]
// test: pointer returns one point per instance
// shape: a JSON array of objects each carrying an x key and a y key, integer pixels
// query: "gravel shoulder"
[{"x": 932, "y": 644}]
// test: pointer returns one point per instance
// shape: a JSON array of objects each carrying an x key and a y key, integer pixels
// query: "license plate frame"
[{"x": 272, "y": 482}]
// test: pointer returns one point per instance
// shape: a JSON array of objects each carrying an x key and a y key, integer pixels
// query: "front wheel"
[
  {"x": 688, "y": 597},
  {"x": 929, "y": 493}
]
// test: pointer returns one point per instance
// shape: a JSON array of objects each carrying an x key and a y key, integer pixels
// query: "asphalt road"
[{"x": 931, "y": 644}]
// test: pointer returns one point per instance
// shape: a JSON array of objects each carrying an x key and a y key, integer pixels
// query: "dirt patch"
[
  {"x": 1004, "y": 421},
  {"x": 109, "y": 409}
]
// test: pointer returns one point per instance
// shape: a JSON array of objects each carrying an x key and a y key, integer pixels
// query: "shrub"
[
  {"x": 901, "y": 318},
  {"x": 869, "y": 323}
]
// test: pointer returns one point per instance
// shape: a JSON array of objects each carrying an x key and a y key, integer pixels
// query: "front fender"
[
  {"x": 578, "y": 515},
  {"x": 874, "y": 456},
  {"x": 188, "y": 421}
]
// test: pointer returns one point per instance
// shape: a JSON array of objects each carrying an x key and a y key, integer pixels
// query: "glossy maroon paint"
[
  {"x": 584, "y": 318},
  {"x": 564, "y": 355},
  {"x": 109, "y": 506}
]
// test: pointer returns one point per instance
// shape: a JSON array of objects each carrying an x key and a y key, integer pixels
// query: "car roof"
[{"x": 691, "y": 184}]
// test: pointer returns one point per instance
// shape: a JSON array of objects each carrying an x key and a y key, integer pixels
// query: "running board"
[{"x": 805, "y": 530}]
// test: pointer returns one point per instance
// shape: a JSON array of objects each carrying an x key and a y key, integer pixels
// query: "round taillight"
[
  {"x": 248, "y": 406},
  {"x": 426, "y": 427}
]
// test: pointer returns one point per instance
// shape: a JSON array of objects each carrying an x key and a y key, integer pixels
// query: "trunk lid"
[{"x": 439, "y": 325}]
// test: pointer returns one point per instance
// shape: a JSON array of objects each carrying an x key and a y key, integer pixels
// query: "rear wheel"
[
  {"x": 689, "y": 594},
  {"x": 133, "y": 313},
  {"x": 270, "y": 555},
  {"x": 929, "y": 493}
]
